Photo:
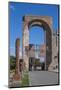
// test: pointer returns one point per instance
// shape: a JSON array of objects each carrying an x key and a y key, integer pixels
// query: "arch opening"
[{"x": 37, "y": 58}]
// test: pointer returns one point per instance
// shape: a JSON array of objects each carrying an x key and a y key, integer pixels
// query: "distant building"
[{"x": 20, "y": 54}]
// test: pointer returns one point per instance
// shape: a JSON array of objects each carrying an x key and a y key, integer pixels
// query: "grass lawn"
[{"x": 25, "y": 80}]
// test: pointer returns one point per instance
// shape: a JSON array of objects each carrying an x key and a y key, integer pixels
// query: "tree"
[{"x": 12, "y": 62}]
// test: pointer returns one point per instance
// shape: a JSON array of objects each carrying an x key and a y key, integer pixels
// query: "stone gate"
[{"x": 42, "y": 21}]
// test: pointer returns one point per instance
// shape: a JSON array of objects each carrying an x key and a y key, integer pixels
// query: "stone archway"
[{"x": 46, "y": 23}]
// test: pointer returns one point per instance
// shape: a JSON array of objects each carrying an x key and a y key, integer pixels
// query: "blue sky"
[{"x": 18, "y": 10}]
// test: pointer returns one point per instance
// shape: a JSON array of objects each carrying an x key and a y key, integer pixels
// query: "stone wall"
[{"x": 54, "y": 64}]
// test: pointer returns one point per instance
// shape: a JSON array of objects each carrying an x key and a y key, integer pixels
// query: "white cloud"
[{"x": 12, "y": 7}]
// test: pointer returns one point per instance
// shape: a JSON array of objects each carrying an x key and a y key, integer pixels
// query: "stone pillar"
[
  {"x": 48, "y": 48},
  {"x": 17, "y": 71},
  {"x": 25, "y": 44}
]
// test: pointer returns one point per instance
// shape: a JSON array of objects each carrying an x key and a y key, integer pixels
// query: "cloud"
[
  {"x": 12, "y": 47},
  {"x": 12, "y": 7}
]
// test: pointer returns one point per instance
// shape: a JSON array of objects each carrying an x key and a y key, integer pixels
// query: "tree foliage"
[{"x": 12, "y": 62}]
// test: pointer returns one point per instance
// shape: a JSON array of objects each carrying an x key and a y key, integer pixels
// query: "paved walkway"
[{"x": 43, "y": 78}]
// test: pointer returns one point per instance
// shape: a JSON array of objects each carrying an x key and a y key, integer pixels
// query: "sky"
[{"x": 16, "y": 13}]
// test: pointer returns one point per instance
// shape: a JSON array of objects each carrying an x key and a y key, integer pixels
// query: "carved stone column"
[{"x": 17, "y": 71}]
